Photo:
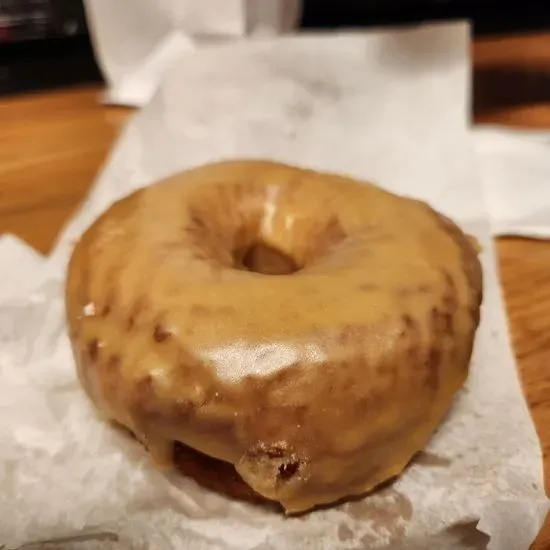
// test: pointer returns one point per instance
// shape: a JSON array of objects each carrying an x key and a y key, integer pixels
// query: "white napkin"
[
  {"x": 515, "y": 170},
  {"x": 136, "y": 41},
  {"x": 388, "y": 106}
]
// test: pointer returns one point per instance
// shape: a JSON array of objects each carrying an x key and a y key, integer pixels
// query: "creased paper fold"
[{"x": 136, "y": 41}]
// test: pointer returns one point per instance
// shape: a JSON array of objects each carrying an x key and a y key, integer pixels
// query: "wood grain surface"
[{"x": 53, "y": 144}]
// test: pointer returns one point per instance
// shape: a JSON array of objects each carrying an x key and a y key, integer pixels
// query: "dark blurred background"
[{"x": 45, "y": 43}]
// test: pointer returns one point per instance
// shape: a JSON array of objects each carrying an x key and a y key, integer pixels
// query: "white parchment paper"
[
  {"x": 136, "y": 41},
  {"x": 515, "y": 168},
  {"x": 390, "y": 107}
]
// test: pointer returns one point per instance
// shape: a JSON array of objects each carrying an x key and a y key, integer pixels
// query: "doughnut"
[{"x": 280, "y": 335}]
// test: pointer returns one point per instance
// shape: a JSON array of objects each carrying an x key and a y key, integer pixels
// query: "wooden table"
[{"x": 52, "y": 144}]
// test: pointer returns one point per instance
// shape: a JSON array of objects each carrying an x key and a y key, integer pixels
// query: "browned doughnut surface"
[{"x": 304, "y": 328}]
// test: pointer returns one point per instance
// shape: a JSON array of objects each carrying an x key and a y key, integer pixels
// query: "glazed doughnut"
[{"x": 303, "y": 332}]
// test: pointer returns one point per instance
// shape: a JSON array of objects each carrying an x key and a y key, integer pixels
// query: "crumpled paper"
[
  {"x": 515, "y": 170},
  {"x": 390, "y": 107},
  {"x": 136, "y": 41}
]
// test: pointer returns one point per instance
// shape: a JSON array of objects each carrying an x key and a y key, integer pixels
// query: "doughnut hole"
[
  {"x": 244, "y": 240},
  {"x": 265, "y": 259},
  {"x": 310, "y": 242},
  {"x": 239, "y": 244}
]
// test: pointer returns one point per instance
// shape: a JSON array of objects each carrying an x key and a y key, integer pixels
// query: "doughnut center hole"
[{"x": 265, "y": 259}]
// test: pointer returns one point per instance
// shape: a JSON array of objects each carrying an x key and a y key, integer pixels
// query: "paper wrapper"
[
  {"x": 136, "y": 41},
  {"x": 389, "y": 107},
  {"x": 515, "y": 168}
]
